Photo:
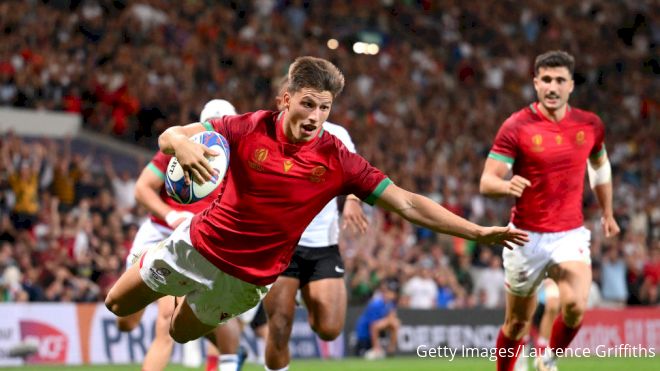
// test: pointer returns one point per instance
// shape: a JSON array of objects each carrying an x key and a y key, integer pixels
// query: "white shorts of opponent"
[
  {"x": 174, "y": 267},
  {"x": 149, "y": 234},
  {"x": 526, "y": 266}
]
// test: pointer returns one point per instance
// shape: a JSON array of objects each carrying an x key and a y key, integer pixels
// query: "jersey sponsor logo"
[
  {"x": 559, "y": 139},
  {"x": 537, "y": 141},
  {"x": 580, "y": 138},
  {"x": 258, "y": 157},
  {"x": 224, "y": 316},
  {"x": 317, "y": 174},
  {"x": 287, "y": 165},
  {"x": 339, "y": 270}
]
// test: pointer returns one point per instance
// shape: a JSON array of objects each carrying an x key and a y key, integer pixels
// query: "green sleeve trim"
[
  {"x": 598, "y": 155},
  {"x": 531, "y": 106},
  {"x": 156, "y": 170},
  {"x": 378, "y": 191},
  {"x": 207, "y": 125},
  {"x": 498, "y": 157}
]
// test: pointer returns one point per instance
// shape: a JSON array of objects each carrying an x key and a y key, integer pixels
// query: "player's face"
[
  {"x": 553, "y": 87},
  {"x": 307, "y": 110}
]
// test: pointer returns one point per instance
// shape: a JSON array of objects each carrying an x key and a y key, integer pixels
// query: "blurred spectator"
[
  {"x": 420, "y": 291},
  {"x": 489, "y": 282},
  {"x": 122, "y": 185},
  {"x": 378, "y": 317},
  {"x": 24, "y": 183},
  {"x": 613, "y": 276}
]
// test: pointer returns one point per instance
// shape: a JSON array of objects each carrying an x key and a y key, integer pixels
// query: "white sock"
[
  {"x": 261, "y": 350},
  {"x": 285, "y": 368},
  {"x": 228, "y": 362}
]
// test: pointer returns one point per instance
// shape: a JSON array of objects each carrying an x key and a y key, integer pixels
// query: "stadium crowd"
[{"x": 424, "y": 109}]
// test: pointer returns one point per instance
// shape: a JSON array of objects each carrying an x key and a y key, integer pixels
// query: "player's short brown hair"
[
  {"x": 315, "y": 73},
  {"x": 554, "y": 58}
]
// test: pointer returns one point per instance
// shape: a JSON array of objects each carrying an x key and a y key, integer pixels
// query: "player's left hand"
[
  {"x": 502, "y": 236},
  {"x": 353, "y": 216},
  {"x": 610, "y": 226}
]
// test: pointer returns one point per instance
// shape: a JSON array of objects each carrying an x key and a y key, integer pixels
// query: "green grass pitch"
[{"x": 403, "y": 364}]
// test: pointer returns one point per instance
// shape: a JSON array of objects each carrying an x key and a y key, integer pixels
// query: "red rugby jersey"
[
  {"x": 552, "y": 156},
  {"x": 273, "y": 191},
  {"x": 158, "y": 165}
]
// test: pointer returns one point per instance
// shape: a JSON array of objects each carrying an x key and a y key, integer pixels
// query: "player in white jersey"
[
  {"x": 316, "y": 269},
  {"x": 166, "y": 215}
]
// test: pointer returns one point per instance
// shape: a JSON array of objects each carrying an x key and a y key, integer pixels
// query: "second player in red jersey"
[
  {"x": 552, "y": 156},
  {"x": 548, "y": 145}
]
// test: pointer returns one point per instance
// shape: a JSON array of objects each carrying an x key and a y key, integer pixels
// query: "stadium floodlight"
[
  {"x": 359, "y": 47},
  {"x": 333, "y": 44}
]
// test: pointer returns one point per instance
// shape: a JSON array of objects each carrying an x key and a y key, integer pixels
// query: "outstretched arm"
[
  {"x": 425, "y": 212},
  {"x": 192, "y": 156}
]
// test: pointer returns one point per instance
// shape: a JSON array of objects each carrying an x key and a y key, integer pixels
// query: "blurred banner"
[
  {"x": 38, "y": 123},
  {"x": 477, "y": 328},
  {"x": 609, "y": 328},
  {"x": 66, "y": 333}
]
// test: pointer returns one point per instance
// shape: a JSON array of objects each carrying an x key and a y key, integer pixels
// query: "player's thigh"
[
  {"x": 280, "y": 304},
  {"x": 571, "y": 268},
  {"x": 130, "y": 293},
  {"x": 573, "y": 281},
  {"x": 148, "y": 236},
  {"x": 326, "y": 301},
  {"x": 325, "y": 290}
]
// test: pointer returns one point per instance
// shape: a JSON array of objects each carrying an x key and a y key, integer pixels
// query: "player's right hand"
[
  {"x": 517, "y": 185},
  {"x": 193, "y": 160},
  {"x": 502, "y": 236}
]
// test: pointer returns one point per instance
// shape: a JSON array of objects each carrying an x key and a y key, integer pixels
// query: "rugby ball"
[{"x": 175, "y": 184}]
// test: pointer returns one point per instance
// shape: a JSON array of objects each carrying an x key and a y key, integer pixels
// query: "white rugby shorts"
[
  {"x": 526, "y": 266},
  {"x": 149, "y": 234},
  {"x": 174, "y": 267}
]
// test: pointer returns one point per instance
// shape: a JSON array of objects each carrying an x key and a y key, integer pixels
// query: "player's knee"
[
  {"x": 115, "y": 306},
  {"x": 279, "y": 328},
  {"x": 515, "y": 326},
  {"x": 574, "y": 311},
  {"x": 327, "y": 331}
]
